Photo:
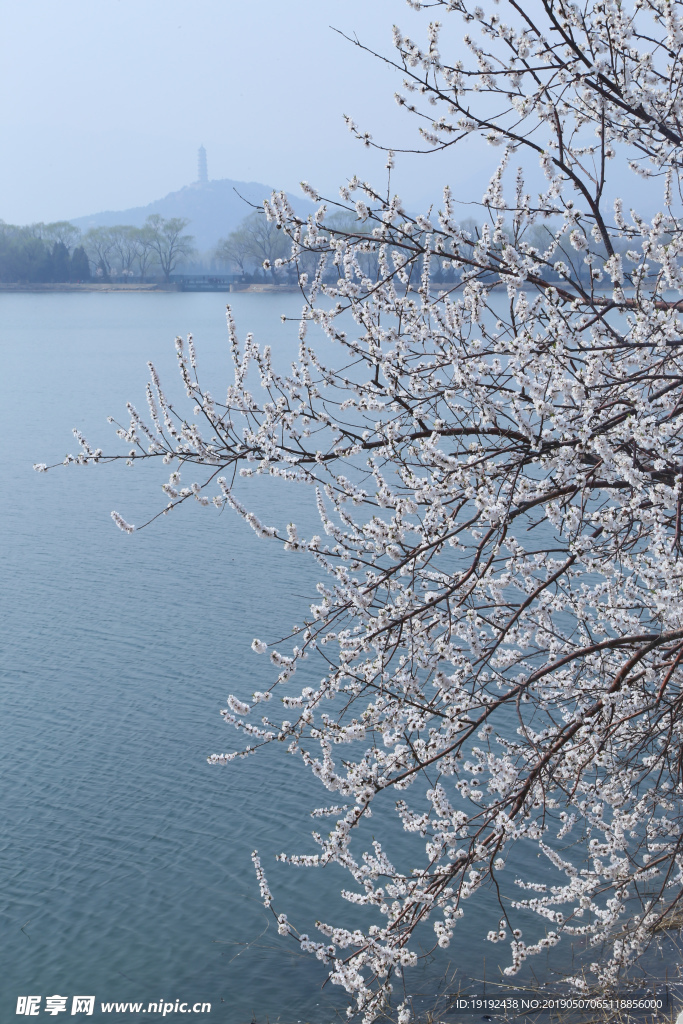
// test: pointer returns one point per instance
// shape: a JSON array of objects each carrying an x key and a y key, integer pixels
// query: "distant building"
[{"x": 202, "y": 172}]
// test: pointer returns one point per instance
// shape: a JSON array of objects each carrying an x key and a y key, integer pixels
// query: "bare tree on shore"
[{"x": 169, "y": 243}]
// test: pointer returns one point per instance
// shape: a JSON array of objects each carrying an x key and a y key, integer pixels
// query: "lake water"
[{"x": 125, "y": 858}]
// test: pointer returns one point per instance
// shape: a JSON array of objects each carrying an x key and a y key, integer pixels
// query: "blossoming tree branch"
[{"x": 497, "y": 458}]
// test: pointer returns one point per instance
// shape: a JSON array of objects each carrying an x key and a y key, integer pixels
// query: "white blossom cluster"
[{"x": 499, "y": 626}]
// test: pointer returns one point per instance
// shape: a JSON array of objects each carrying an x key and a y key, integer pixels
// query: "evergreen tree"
[
  {"x": 60, "y": 269},
  {"x": 80, "y": 265},
  {"x": 34, "y": 263}
]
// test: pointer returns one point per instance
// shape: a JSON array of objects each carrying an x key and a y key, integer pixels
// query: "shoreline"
[
  {"x": 157, "y": 286},
  {"x": 84, "y": 286},
  {"x": 153, "y": 286}
]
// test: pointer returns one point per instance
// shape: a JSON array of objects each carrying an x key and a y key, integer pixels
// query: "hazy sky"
[{"x": 105, "y": 102}]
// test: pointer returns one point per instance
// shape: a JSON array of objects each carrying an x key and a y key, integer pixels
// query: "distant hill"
[{"x": 213, "y": 208}]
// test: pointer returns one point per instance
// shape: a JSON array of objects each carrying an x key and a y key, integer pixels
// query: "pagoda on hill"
[{"x": 202, "y": 171}]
